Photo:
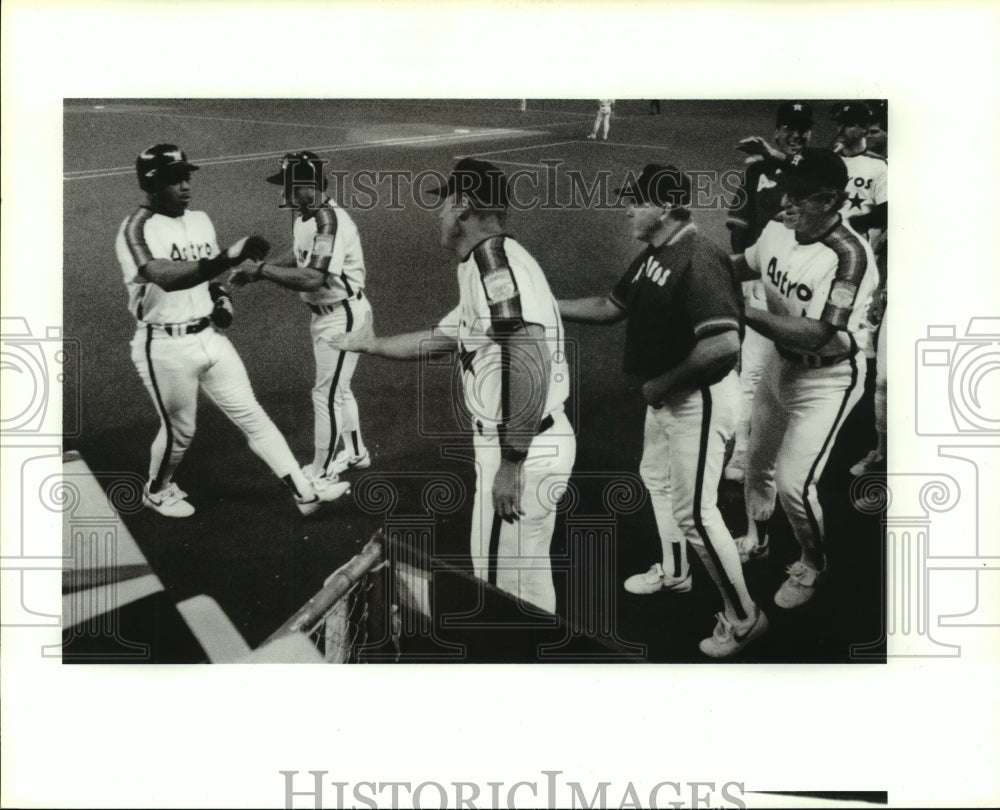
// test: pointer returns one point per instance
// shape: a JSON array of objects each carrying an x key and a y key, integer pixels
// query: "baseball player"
[
  {"x": 604, "y": 108},
  {"x": 683, "y": 340},
  {"x": 875, "y": 460},
  {"x": 757, "y": 203},
  {"x": 866, "y": 204},
  {"x": 326, "y": 266},
  {"x": 168, "y": 255},
  {"x": 818, "y": 276},
  {"x": 515, "y": 379}
]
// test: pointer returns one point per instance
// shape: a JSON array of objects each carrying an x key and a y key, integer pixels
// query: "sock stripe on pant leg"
[
  {"x": 158, "y": 480},
  {"x": 699, "y": 482},
  {"x": 334, "y": 433},
  {"x": 494, "y": 548},
  {"x": 827, "y": 442}
]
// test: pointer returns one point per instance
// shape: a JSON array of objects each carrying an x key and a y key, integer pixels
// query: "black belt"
[
  {"x": 812, "y": 360},
  {"x": 178, "y": 329},
  {"x": 326, "y": 309},
  {"x": 544, "y": 425}
]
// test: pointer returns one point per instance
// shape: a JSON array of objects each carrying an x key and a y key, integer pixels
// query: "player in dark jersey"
[{"x": 682, "y": 339}]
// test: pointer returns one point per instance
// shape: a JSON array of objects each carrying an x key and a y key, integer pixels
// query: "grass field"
[{"x": 247, "y": 546}]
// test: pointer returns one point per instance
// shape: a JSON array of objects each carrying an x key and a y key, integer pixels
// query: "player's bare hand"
[
  {"x": 507, "y": 486},
  {"x": 247, "y": 273},
  {"x": 755, "y": 145},
  {"x": 655, "y": 391},
  {"x": 360, "y": 340},
  {"x": 249, "y": 247}
]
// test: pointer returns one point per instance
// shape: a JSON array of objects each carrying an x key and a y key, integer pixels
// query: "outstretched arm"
[
  {"x": 406, "y": 346},
  {"x": 597, "y": 309},
  {"x": 183, "y": 275}
]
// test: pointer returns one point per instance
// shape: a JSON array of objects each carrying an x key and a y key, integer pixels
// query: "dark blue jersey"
[{"x": 675, "y": 295}]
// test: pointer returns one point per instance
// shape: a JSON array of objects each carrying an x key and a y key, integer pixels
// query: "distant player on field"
[{"x": 604, "y": 108}]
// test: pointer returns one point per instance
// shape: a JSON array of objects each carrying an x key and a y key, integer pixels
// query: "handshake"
[
  {"x": 253, "y": 248},
  {"x": 249, "y": 248}
]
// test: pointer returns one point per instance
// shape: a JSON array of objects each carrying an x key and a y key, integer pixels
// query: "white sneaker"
[
  {"x": 751, "y": 550},
  {"x": 873, "y": 462},
  {"x": 655, "y": 579},
  {"x": 729, "y": 638},
  {"x": 591, "y": 137},
  {"x": 169, "y": 502},
  {"x": 800, "y": 586},
  {"x": 735, "y": 470},
  {"x": 345, "y": 461},
  {"x": 326, "y": 491}
]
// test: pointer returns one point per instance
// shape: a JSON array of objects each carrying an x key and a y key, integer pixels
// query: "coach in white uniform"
[
  {"x": 818, "y": 276},
  {"x": 515, "y": 380},
  {"x": 327, "y": 267},
  {"x": 168, "y": 255}
]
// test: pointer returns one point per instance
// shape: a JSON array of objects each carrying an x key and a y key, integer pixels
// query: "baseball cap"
[
  {"x": 484, "y": 184},
  {"x": 659, "y": 185},
  {"x": 303, "y": 169},
  {"x": 813, "y": 170},
  {"x": 880, "y": 111},
  {"x": 159, "y": 161},
  {"x": 852, "y": 112},
  {"x": 795, "y": 115}
]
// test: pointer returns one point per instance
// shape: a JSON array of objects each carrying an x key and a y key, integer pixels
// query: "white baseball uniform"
[
  {"x": 604, "y": 107},
  {"x": 327, "y": 239},
  {"x": 803, "y": 399},
  {"x": 500, "y": 281},
  {"x": 178, "y": 351},
  {"x": 867, "y": 176}
]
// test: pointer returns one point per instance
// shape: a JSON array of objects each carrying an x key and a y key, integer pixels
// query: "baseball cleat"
[
  {"x": 749, "y": 549},
  {"x": 169, "y": 502},
  {"x": 330, "y": 489},
  {"x": 873, "y": 462},
  {"x": 655, "y": 579},
  {"x": 345, "y": 461},
  {"x": 324, "y": 492},
  {"x": 307, "y": 507},
  {"x": 734, "y": 470},
  {"x": 800, "y": 586},
  {"x": 729, "y": 638}
]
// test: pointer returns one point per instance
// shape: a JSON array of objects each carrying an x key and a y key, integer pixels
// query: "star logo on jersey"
[
  {"x": 855, "y": 201},
  {"x": 797, "y": 107}
]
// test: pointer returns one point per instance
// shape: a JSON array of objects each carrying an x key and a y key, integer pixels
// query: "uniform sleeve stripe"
[
  {"x": 851, "y": 259},
  {"x": 498, "y": 281},
  {"x": 326, "y": 221},
  {"x": 716, "y": 325},
  {"x": 852, "y": 263},
  {"x": 135, "y": 238},
  {"x": 326, "y": 226}
]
